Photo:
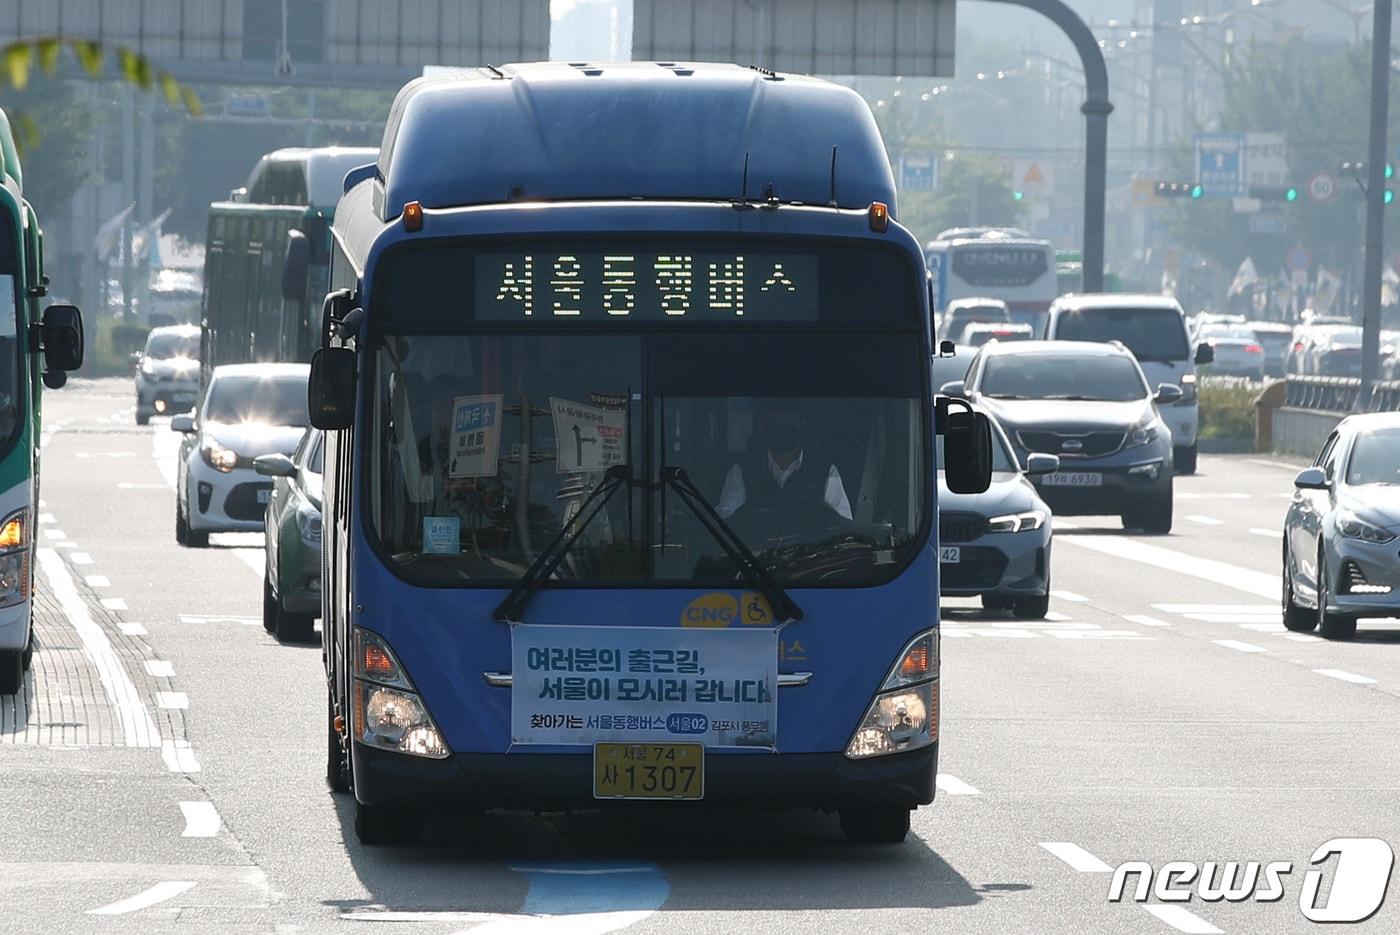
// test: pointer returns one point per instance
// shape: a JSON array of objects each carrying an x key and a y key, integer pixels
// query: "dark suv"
[{"x": 1090, "y": 405}]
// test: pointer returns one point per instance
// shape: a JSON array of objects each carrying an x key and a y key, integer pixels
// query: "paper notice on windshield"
[
  {"x": 476, "y": 436},
  {"x": 590, "y": 438},
  {"x": 586, "y": 685}
]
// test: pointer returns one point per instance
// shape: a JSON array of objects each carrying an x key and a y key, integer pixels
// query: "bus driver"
[{"x": 781, "y": 468}]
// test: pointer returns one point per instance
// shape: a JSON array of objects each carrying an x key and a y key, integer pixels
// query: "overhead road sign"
[
  {"x": 1298, "y": 258},
  {"x": 819, "y": 37},
  {"x": 1220, "y": 164},
  {"x": 918, "y": 173}
]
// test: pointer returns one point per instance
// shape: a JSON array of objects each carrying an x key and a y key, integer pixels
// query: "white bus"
[{"x": 1000, "y": 263}]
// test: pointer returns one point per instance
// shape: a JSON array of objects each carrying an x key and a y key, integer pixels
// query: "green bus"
[
  {"x": 36, "y": 350},
  {"x": 267, "y": 255}
]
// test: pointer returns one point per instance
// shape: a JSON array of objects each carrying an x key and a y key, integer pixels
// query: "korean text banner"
[{"x": 585, "y": 685}]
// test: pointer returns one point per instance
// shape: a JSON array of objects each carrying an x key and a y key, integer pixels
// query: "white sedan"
[{"x": 246, "y": 410}]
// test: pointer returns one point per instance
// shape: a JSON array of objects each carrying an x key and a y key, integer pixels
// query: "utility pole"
[
  {"x": 128, "y": 189},
  {"x": 1375, "y": 202}
]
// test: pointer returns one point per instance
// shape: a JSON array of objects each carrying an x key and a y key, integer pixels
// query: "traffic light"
[
  {"x": 1389, "y": 196},
  {"x": 1180, "y": 190},
  {"x": 1288, "y": 193},
  {"x": 1018, "y": 196},
  {"x": 1357, "y": 170}
]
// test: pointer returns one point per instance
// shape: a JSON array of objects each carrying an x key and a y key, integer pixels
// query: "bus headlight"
[
  {"x": 14, "y": 559},
  {"x": 389, "y": 714},
  {"x": 904, "y": 714}
]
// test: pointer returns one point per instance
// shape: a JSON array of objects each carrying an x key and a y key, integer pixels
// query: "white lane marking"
[
  {"x": 1077, "y": 857},
  {"x": 1217, "y": 608},
  {"x": 1054, "y": 616},
  {"x": 1270, "y": 533},
  {"x": 201, "y": 820},
  {"x": 145, "y": 899},
  {"x": 1182, "y": 919},
  {"x": 212, "y": 618},
  {"x": 128, "y": 485},
  {"x": 98, "y": 581},
  {"x": 1284, "y": 465},
  {"x": 1065, "y": 524},
  {"x": 172, "y": 700},
  {"x": 1232, "y": 576},
  {"x": 47, "y": 519},
  {"x": 1204, "y": 520},
  {"x": 138, "y": 729},
  {"x": 1270, "y": 617},
  {"x": 253, "y": 558},
  {"x": 80, "y": 558},
  {"x": 160, "y": 668},
  {"x": 43, "y": 503},
  {"x": 1100, "y": 635},
  {"x": 131, "y": 629},
  {"x": 165, "y": 448},
  {"x": 64, "y": 544},
  {"x": 1213, "y": 496},
  {"x": 1239, "y": 646},
  {"x": 54, "y": 534},
  {"x": 1145, "y": 620},
  {"x": 1263, "y": 627},
  {"x": 1302, "y": 637},
  {"x": 114, "y": 603},
  {"x": 952, "y": 785},
  {"x": 1346, "y": 676},
  {"x": 1069, "y": 596},
  {"x": 955, "y": 633},
  {"x": 179, "y": 757}
]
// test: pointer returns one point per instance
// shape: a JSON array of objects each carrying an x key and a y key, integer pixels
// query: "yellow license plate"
[{"x": 648, "y": 771}]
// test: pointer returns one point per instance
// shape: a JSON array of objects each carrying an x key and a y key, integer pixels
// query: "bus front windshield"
[{"x": 809, "y": 446}]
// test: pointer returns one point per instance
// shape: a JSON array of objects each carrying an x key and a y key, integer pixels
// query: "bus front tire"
[
  {"x": 377, "y": 825},
  {"x": 875, "y": 824},
  {"x": 11, "y": 671}
]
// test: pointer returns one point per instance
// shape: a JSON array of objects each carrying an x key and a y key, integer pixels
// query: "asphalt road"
[{"x": 163, "y": 772}]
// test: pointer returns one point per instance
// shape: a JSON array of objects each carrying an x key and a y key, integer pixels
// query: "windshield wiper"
[
  {"x": 784, "y": 607},
  {"x": 512, "y": 608}
]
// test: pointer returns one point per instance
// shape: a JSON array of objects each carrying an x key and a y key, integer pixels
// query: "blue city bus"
[{"x": 629, "y": 465}]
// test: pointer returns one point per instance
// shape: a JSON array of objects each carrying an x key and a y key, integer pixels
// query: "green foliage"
[{"x": 1227, "y": 409}]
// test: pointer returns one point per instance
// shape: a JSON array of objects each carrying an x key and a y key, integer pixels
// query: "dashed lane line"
[
  {"x": 179, "y": 756},
  {"x": 114, "y": 603},
  {"x": 131, "y": 629},
  {"x": 1077, "y": 857},
  {"x": 172, "y": 700},
  {"x": 1144, "y": 620},
  {"x": 98, "y": 581},
  {"x": 1239, "y": 646},
  {"x": 80, "y": 558},
  {"x": 1182, "y": 919},
  {"x": 145, "y": 899},
  {"x": 201, "y": 820},
  {"x": 1204, "y": 520},
  {"x": 1253, "y": 609},
  {"x": 952, "y": 785},
  {"x": 1069, "y": 596},
  {"x": 138, "y": 728},
  {"x": 1232, "y": 576},
  {"x": 160, "y": 668},
  {"x": 1346, "y": 676},
  {"x": 1270, "y": 533}
]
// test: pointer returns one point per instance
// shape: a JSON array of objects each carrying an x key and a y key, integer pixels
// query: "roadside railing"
[
  {"x": 1298, "y": 420},
  {"x": 1339, "y": 395}
]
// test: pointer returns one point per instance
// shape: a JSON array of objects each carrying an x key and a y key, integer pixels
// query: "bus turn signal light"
[
  {"x": 377, "y": 662},
  {"x": 12, "y": 533},
  {"x": 879, "y": 217},
  {"x": 915, "y": 664},
  {"x": 413, "y": 216}
]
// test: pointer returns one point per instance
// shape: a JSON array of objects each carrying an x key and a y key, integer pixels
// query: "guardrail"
[{"x": 1312, "y": 407}]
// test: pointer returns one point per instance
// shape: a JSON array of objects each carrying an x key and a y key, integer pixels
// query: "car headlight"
[
  {"x": 1188, "y": 388},
  {"x": 309, "y": 523},
  {"x": 1145, "y": 432},
  {"x": 14, "y": 558},
  {"x": 904, "y": 714},
  {"x": 1016, "y": 522},
  {"x": 389, "y": 714},
  {"x": 1353, "y": 527},
  {"x": 219, "y": 458},
  {"x": 148, "y": 368}
]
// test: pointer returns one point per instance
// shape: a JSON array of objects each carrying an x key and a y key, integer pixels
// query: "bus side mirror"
[
  {"x": 296, "y": 265},
  {"x": 63, "y": 341},
  {"x": 333, "y": 310},
  {"x": 330, "y": 393},
  {"x": 967, "y": 445}
]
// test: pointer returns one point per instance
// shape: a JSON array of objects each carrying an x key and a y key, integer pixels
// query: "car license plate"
[
  {"x": 265, "y": 495},
  {"x": 949, "y": 554},
  {"x": 648, "y": 771},
  {"x": 1073, "y": 479}
]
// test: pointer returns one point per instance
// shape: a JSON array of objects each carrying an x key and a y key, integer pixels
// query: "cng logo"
[
  {"x": 1360, "y": 878},
  {"x": 714, "y": 610}
]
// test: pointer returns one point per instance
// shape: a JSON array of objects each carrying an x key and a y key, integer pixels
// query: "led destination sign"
[{"x": 618, "y": 285}]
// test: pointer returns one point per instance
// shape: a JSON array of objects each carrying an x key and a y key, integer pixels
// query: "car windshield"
[
  {"x": 808, "y": 445},
  {"x": 1155, "y": 334},
  {"x": 274, "y": 400},
  {"x": 1227, "y": 333},
  {"x": 1114, "y": 378},
  {"x": 167, "y": 346},
  {"x": 1375, "y": 459}
]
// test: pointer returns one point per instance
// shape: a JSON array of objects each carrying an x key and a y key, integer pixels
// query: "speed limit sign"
[{"x": 1322, "y": 187}]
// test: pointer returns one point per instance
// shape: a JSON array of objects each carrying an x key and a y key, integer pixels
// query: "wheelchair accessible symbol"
[{"x": 754, "y": 610}]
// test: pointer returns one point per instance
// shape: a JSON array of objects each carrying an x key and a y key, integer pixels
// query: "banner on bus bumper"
[{"x": 584, "y": 685}]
